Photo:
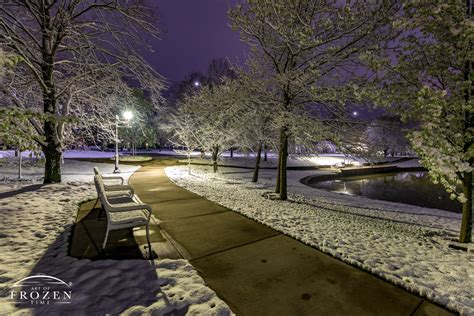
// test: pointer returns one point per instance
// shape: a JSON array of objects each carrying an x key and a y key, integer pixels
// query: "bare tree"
[
  {"x": 214, "y": 114},
  {"x": 309, "y": 49},
  {"x": 218, "y": 70},
  {"x": 385, "y": 135},
  {"x": 188, "y": 86},
  {"x": 77, "y": 56},
  {"x": 185, "y": 133},
  {"x": 255, "y": 114}
]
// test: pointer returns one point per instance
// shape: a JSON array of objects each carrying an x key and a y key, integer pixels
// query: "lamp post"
[{"x": 127, "y": 115}]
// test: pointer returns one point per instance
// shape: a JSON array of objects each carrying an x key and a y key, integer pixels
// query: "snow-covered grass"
[
  {"x": 238, "y": 157},
  {"x": 406, "y": 245},
  {"x": 35, "y": 229},
  {"x": 72, "y": 170},
  {"x": 76, "y": 153},
  {"x": 134, "y": 158},
  {"x": 31, "y": 221},
  {"x": 248, "y": 160}
]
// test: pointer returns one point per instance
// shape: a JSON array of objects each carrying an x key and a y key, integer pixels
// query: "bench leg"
[
  {"x": 105, "y": 240},
  {"x": 148, "y": 239},
  {"x": 100, "y": 213},
  {"x": 96, "y": 201}
]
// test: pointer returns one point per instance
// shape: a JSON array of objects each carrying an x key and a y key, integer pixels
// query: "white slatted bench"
[
  {"x": 113, "y": 187},
  {"x": 113, "y": 190},
  {"x": 133, "y": 213}
]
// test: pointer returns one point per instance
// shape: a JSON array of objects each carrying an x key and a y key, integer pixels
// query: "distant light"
[
  {"x": 355, "y": 113},
  {"x": 128, "y": 115},
  {"x": 197, "y": 83}
]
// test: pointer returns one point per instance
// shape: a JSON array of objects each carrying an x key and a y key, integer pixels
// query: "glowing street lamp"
[
  {"x": 196, "y": 83},
  {"x": 127, "y": 115}
]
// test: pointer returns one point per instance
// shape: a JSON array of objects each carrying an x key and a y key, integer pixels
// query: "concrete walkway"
[{"x": 259, "y": 271}]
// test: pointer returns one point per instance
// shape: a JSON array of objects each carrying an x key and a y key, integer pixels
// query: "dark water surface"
[{"x": 413, "y": 188}]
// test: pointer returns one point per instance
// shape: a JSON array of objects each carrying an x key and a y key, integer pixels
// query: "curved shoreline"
[{"x": 308, "y": 180}]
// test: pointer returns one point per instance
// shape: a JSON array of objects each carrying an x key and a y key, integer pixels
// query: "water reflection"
[{"x": 405, "y": 187}]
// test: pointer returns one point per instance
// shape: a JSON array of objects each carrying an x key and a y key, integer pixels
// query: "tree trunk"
[
  {"x": 283, "y": 158},
  {"x": 215, "y": 151},
  {"x": 52, "y": 149},
  {"x": 52, "y": 146},
  {"x": 52, "y": 167},
  {"x": 257, "y": 163},
  {"x": 265, "y": 153},
  {"x": 189, "y": 163},
  {"x": 231, "y": 152},
  {"x": 19, "y": 162},
  {"x": 466, "y": 223},
  {"x": 277, "y": 185}
]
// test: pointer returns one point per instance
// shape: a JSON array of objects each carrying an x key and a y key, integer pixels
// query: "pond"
[{"x": 413, "y": 188}]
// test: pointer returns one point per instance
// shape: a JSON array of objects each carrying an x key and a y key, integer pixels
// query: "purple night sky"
[{"x": 195, "y": 32}]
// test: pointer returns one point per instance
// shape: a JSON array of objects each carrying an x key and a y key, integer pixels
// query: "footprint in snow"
[
  {"x": 4, "y": 279},
  {"x": 40, "y": 235}
]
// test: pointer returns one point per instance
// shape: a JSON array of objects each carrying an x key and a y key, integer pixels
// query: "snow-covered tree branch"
[
  {"x": 428, "y": 79},
  {"x": 77, "y": 57},
  {"x": 310, "y": 51}
]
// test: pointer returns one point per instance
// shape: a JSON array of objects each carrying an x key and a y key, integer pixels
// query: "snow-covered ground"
[
  {"x": 72, "y": 170},
  {"x": 406, "y": 245},
  {"x": 238, "y": 157},
  {"x": 95, "y": 153},
  {"x": 248, "y": 160},
  {"x": 35, "y": 228}
]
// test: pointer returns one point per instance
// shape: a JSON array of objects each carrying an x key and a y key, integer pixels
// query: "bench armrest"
[
  {"x": 118, "y": 194},
  {"x": 134, "y": 207},
  {"x": 113, "y": 178},
  {"x": 119, "y": 187}
]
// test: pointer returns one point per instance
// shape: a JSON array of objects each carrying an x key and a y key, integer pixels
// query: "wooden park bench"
[{"x": 125, "y": 214}]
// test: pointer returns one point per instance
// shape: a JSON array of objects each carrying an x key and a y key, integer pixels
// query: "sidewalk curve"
[{"x": 259, "y": 271}]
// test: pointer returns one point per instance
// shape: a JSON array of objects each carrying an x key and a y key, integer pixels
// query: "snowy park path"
[{"x": 258, "y": 270}]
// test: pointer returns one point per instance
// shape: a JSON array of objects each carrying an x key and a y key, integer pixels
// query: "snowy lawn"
[
  {"x": 135, "y": 158},
  {"x": 76, "y": 153},
  {"x": 35, "y": 228},
  {"x": 248, "y": 160},
  {"x": 406, "y": 245},
  {"x": 72, "y": 170}
]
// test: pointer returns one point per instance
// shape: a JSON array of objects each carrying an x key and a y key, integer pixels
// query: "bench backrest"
[
  {"x": 98, "y": 174},
  {"x": 99, "y": 186}
]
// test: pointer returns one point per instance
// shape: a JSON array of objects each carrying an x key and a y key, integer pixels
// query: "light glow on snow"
[{"x": 334, "y": 160}]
